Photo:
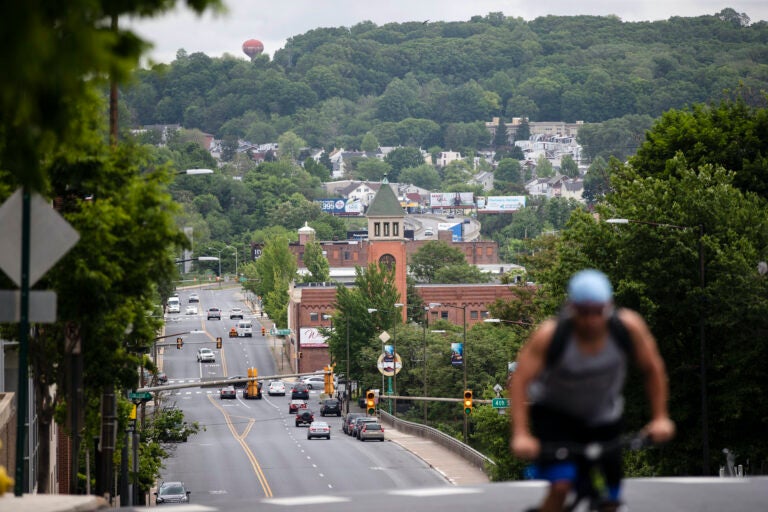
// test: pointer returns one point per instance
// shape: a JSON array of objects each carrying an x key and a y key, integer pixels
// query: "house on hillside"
[
  {"x": 484, "y": 179},
  {"x": 556, "y": 186}
]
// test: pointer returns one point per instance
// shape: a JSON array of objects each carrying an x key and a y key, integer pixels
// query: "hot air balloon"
[{"x": 253, "y": 47}]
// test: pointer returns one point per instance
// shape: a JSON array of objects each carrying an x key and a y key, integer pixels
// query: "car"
[
  {"x": 358, "y": 424},
  {"x": 238, "y": 385},
  {"x": 276, "y": 388},
  {"x": 319, "y": 429},
  {"x": 173, "y": 305},
  {"x": 258, "y": 396},
  {"x": 371, "y": 431},
  {"x": 296, "y": 405},
  {"x": 300, "y": 391},
  {"x": 244, "y": 329},
  {"x": 191, "y": 310},
  {"x": 330, "y": 406},
  {"x": 228, "y": 392},
  {"x": 193, "y": 297},
  {"x": 236, "y": 313},
  {"x": 206, "y": 355},
  {"x": 305, "y": 417},
  {"x": 467, "y": 221},
  {"x": 346, "y": 425},
  {"x": 314, "y": 382},
  {"x": 429, "y": 232},
  {"x": 449, "y": 216},
  {"x": 214, "y": 313},
  {"x": 172, "y": 492}
]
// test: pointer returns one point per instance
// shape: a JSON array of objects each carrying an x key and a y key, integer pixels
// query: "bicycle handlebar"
[{"x": 594, "y": 450}]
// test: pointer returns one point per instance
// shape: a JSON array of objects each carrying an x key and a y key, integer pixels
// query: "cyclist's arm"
[
  {"x": 649, "y": 361},
  {"x": 530, "y": 361}
]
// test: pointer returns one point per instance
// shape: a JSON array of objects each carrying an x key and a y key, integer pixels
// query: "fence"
[{"x": 471, "y": 455}]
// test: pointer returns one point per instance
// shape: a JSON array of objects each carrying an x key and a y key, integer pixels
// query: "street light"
[
  {"x": 234, "y": 249},
  {"x": 218, "y": 251},
  {"x": 347, "y": 379},
  {"x": 702, "y": 337},
  {"x": 393, "y": 388},
  {"x": 464, "y": 355}
]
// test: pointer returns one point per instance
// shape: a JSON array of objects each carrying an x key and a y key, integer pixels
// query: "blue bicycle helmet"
[{"x": 589, "y": 286}]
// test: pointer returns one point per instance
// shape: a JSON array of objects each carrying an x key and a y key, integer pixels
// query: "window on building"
[
  {"x": 485, "y": 314},
  {"x": 444, "y": 315},
  {"x": 313, "y": 317},
  {"x": 386, "y": 229},
  {"x": 347, "y": 255},
  {"x": 376, "y": 229},
  {"x": 473, "y": 315},
  {"x": 396, "y": 229},
  {"x": 489, "y": 251},
  {"x": 301, "y": 256}
]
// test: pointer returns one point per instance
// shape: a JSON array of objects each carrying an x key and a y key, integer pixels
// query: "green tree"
[
  {"x": 316, "y": 264},
  {"x": 523, "y": 130},
  {"x": 403, "y": 158},
  {"x": 372, "y": 169},
  {"x": 424, "y": 176},
  {"x": 597, "y": 182},
  {"x": 461, "y": 273},
  {"x": 544, "y": 167},
  {"x": 370, "y": 143},
  {"x": 500, "y": 136},
  {"x": 569, "y": 167},
  {"x": 271, "y": 274},
  {"x": 290, "y": 145},
  {"x": 508, "y": 170},
  {"x": 431, "y": 257}
]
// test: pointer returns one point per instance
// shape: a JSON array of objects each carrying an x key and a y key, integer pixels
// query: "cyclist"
[{"x": 568, "y": 383}]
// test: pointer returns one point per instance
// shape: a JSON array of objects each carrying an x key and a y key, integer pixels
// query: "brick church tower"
[{"x": 386, "y": 237}]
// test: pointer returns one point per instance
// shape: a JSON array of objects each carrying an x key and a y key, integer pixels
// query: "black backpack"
[{"x": 616, "y": 327}]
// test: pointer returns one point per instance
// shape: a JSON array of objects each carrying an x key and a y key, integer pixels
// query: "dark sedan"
[{"x": 330, "y": 407}]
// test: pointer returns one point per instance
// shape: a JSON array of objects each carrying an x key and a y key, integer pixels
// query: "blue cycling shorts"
[{"x": 554, "y": 472}]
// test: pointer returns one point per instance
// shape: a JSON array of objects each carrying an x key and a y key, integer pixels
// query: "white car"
[
  {"x": 236, "y": 313},
  {"x": 276, "y": 388},
  {"x": 191, "y": 310},
  {"x": 314, "y": 382},
  {"x": 193, "y": 297},
  {"x": 206, "y": 355},
  {"x": 319, "y": 429}
]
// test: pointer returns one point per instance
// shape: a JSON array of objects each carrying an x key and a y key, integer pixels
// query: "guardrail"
[{"x": 471, "y": 455}]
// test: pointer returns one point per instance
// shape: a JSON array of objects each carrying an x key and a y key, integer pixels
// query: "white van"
[
  {"x": 244, "y": 328},
  {"x": 174, "y": 306}
]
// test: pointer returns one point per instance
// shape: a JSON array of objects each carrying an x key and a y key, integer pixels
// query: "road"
[{"x": 251, "y": 449}]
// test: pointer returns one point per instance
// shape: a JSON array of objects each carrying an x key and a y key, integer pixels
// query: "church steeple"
[{"x": 385, "y": 215}]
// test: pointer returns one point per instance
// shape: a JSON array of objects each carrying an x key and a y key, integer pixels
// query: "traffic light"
[
  {"x": 218, "y": 342},
  {"x": 328, "y": 380},
  {"x": 253, "y": 386},
  {"x": 263, "y": 331},
  {"x": 468, "y": 401},
  {"x": 370, "y": 402},
  {"x": 179, "y": 343}
]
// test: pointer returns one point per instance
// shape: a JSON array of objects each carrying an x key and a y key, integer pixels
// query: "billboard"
[
  {"x": 341, "y": 206},
  {"x": 452, "y": 200},
  {"x": 496, "y": 204},
  {"x": 457, "y": 354},
  {"x": 311, "y": 338},
  {"x": 454, "y": 227}
]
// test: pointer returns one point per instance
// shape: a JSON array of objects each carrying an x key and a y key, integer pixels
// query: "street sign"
[
  {"x": 42, "y": 306},
  {"x": 141, "y": 396},
  {"x": 500, "y": 403},
  {"x": 51, "y": 236}
]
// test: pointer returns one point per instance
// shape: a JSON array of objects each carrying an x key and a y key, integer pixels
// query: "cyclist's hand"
[
  {"x": 525, "y": 446},
  {"x": 660, "y": 430}
]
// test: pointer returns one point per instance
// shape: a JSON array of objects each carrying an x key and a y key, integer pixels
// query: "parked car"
[
  {"x": 358, "y": 424},
  {"x": 191, "y": 310},
  {"x": 236, "y": 313},
  {"x": 205, "y": 355},
  {"x": 193, "y": 297},
  {"x": 330, "y": 406},
  {"x": 319, "y": 429},
  {"x": 296, "y": 405},
  {"x": 305, "y": 417},
  {"x": 346, "y": 425},
  {"x": 172, "y": 492},
  {"x": 228, "y": 392},
  {"x": 276, "y": 388},
  {"x": 371, "y": 431},
  {"x": 429, "y": 232},
  {"x": 214, "y": 313},
  {"x": 300, "y": 391},
  {"x": 314, "y": 382}
]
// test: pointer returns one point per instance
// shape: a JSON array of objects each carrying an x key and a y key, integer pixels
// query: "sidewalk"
[{"x": 453, "y": 467}]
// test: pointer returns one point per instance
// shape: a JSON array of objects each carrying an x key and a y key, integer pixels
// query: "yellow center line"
[{"x": 240, "y": 438}]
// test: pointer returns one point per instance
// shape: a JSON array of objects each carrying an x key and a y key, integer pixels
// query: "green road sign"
[
  {"x": 144, "y": 395},
  {"x": 500, "y": 403}
]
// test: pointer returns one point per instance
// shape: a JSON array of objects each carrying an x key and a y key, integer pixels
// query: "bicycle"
[{"x": 590, "y": 486}]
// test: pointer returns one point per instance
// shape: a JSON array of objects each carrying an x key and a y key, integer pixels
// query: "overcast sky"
[{"x": 273, "y": 21}]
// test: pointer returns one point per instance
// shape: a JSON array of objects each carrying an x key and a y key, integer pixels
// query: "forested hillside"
[{"x": 430, "y": 83}]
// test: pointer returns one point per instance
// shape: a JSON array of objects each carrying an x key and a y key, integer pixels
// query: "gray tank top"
[{"x": 586, "y": 386}]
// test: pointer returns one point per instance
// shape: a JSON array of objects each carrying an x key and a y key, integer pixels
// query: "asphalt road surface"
[{"x": 251, "y": 449}]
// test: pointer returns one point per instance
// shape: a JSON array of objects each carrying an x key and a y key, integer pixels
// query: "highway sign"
[
  {"x": 500, "y": 403},
  {"x": 140, "y": 396}
]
